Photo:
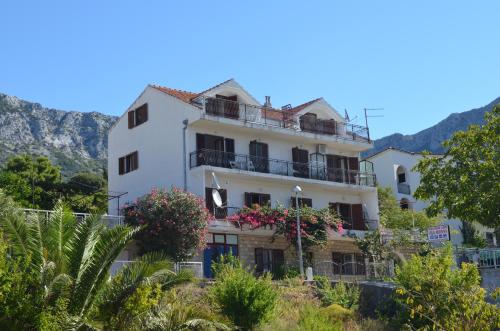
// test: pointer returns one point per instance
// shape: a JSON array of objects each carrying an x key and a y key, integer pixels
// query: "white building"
[
  {"x": 169, "y": 137},
  {"x": 393, "y": 168}
]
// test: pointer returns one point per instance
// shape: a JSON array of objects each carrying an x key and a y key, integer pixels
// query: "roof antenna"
[
  {"x": 346, "y": 116},
  {"x": 366, "y": 118}
]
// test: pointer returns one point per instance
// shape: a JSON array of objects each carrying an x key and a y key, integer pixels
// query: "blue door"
[{"x": 212, "y": 253}]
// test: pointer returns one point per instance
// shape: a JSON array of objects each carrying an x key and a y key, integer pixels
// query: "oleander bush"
[{"x": 173, "y": 221}]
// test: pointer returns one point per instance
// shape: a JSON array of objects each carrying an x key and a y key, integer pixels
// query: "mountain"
[
  {"x": 73, "y": 140},
  {"x": 431, "y": 139}
]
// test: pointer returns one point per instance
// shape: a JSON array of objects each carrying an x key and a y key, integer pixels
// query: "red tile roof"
[
  {"x": 298, "y": 108},
  {"x": 179, "y": 94},
  {"x": 271, "y": 113}
]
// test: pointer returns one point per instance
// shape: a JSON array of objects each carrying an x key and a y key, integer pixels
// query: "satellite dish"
[
  {"x": 217, "y": 198},
  {"x": 215, "y": 181}
]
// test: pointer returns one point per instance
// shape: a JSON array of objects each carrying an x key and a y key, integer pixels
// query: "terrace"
[{"x": 284, "y": 118}]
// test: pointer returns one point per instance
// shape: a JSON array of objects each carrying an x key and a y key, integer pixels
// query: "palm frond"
[
  {"x": 82, "y": 241},
  {"x": 168, "y": 279},
  {"x": 34, "y": 243},
  {"x": 60, "y": 227},
  {"x": 129, "y": 278},
  {"x": 59, "y": 286},
  {"x": 14, "y": 226},
  {"x": 96, "y": 263}
]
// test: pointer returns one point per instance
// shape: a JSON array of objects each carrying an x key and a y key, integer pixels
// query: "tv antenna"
[{"x": 366, "y": 118}]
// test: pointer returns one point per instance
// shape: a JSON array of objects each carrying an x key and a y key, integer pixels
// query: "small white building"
[
  {"x": 393, "y": 168},
  {"x": 169, "y": 137}
]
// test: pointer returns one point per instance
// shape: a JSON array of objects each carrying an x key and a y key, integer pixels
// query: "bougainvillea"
[
  {"x": 314, "y": 223},
  {"x": 174, "y": 222}
]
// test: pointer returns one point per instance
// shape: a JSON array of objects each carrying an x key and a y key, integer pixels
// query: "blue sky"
[{"x": 420, "y": 61}]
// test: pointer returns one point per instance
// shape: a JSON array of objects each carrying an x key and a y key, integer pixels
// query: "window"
[
  {"x": 348, "y": 263},
  {"x": 214, "y": 150},
  {"x": 404, "y": 204},
  {"x": 260, "y": 199},
  {"x": 300, "y": 159},
  {"x": 351, "y": 215},
  {"x": 223, "y": 243},
  {"x": 269, "y": 260},
  {"x": 302, "y": 202},
  {"x": 259, "y": 155},
  {"x": 490, "y": 238},
  {"x": 401, "y": 174},
  {"x": 128, "y": 163},
  {"x": 218, "y": 212},
  {"x": 138, "y": 116}
]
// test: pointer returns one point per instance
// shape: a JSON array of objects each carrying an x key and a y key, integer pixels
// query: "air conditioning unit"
[{"x": 321, "y": 148}]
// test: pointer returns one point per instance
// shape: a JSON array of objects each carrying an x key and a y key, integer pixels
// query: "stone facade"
[{"x": 320, "y": 258}]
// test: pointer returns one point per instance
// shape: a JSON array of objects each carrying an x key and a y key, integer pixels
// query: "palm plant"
[{"x": 71, "y": 260}]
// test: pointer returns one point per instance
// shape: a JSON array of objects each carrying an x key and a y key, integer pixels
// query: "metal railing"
[
  {"x": 312, "y": 170},
  {"x": 483, "y": 258},
  {"x": 195, "y": 267},
  {"x": 108, "y": 220},
  {"x": 404, "y": 188},
  {"x": 354, "y": 271},
  {"x": 282, "y": 118}
]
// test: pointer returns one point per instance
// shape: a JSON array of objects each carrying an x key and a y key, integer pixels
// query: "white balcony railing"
[{"x": 108, "y": 220}]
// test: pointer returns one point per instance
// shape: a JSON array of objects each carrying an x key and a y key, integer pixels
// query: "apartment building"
[
  {"x": 393, "y": 168},
  {"x": 258, "y": 153}
]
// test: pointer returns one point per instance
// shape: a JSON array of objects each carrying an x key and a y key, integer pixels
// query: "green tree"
[
  {"x": 465, "y": 181},
  {"x": 32, "y": 181},
  {"x": 437, "y": 296},
  {"x": 86, "y": 193},
  {"x": 70, "y": 263},
  {"x": 393, "y": 217}
]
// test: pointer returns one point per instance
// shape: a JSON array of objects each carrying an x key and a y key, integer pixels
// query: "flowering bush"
[
  {"x": 174, "y": 222},
  {"x": 314, "y": 223}
]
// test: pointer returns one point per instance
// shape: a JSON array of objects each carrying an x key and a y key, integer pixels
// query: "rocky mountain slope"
[
  {"x": 76, "y": 141},
  {"x": 430, "y": 139}
]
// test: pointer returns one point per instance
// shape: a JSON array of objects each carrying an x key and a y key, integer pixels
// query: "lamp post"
[{"x": 297, "y": 189}]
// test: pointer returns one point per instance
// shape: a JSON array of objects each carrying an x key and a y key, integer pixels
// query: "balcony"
[
  {"x": 404, "y": 188},
  {"x": 286, "y": 119},
  {"x": 311, "y": 170}
]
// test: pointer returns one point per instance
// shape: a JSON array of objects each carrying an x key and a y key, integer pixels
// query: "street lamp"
[{"x": 297, "y": 189}]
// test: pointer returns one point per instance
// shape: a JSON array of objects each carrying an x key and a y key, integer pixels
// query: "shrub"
[
  {"x": 20, "y": 294},
  {"x": 142, "y": 300},
  {"x": 174, "y": 222},
  {"x": 244, "y": 299},
  {"x": 312, "y": 318},
  {"x": 341, "y": 294},
  {"x": 439, "y": 297},
  {"x": 224, "y": 262}
]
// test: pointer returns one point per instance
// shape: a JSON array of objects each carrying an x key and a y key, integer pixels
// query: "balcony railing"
[
  {"x": 108, "y": 220},
  {"x": 312, "y": 170},
  {"x": 282, "y": 119},
  {"x": 404, "y": 188}
]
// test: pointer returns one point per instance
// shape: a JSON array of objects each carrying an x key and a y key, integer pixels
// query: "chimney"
[{"x": 267, "y": 103}]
